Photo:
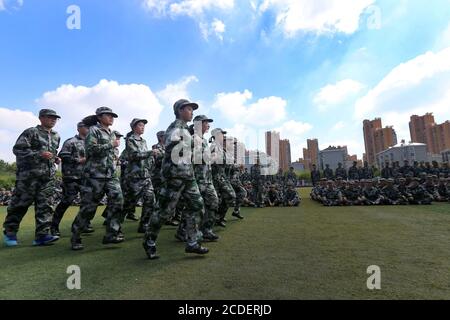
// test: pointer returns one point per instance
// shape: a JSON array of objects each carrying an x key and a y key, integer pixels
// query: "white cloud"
[
  {"x": 335, "y": 94},
  {"x": 237, "y": 108},
  {"x": 217, "y": 28},
  {"x": 176, "y": 91},
  {"x": 12, "y": 123},
  {"x": 157, "y": 7},
  {"x": 319, "y": 16},
  {"x": 422, "y": 83},
  {"x": 417, "y": 86},
  {"x": 127, "y": 100},
  {"x": 15, "y": 4},
  {"x": 196, "y": 9}
]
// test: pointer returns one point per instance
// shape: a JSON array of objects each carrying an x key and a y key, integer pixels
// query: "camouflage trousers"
[
  {"x": 71, "y": 188},
  {"x": 211, "y": 201},
  {"x": 27, "y": 192},
  {"x": 169, "y": 196},
  {"x": 92, "y": 193},
  {"x": 135, "y": 190},
  {"x": 241, "y": 194},
  {"x": 258, "y": 194},
  {"x": 227, "y": 196},
  {"x": 129, "y": 210}
]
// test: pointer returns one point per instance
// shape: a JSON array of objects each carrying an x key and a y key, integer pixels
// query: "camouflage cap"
[
  {"x": 135, "y": 121},
  {"x": 218, "y": 130},
  {"x": 48, "y": 113},
  {"x": 118, "y": 134},
  {"x": 184, "y": 103},
  {"x": 160, "y": 133},
  {"x": 105, "y": 110},
  {"x": 81, "y": 124},
  {"x": 203, "y": 118}
]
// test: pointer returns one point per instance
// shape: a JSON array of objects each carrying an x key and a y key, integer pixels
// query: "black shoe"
[
  {"x": 112, "y": 239},
  {"x": 54, "y": 231},
  {"x": 210, "y": 237},
  {"x": 77, "y": 245},
  {"x": 180, "y": 237},
  {"x": 105, "y": 223},
  {"x": 132, "y": 217},
  {"x": 237, "y": 214},
  {"x": 198, "y": 249},
  {"x": 150, "y": 251},
  {"x": 221, "y": 224}
]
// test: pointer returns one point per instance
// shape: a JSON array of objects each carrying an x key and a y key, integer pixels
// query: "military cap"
[
  {"x": 118, "y": 134},
  {"x": 390, "y": 180},
  {"x": 218, "y": 130},
  {"x": 203, "y": 118},
  {"x": 48, "y": 113},
  {"x": 160, "y": 133},
  {"x": 402, "y": 179},
  {"x": 82, "y": 125},
  {"x": 105, "y": 110},
  {"x": 135, "y": 121},
  {"x": 184, "y": 103}
]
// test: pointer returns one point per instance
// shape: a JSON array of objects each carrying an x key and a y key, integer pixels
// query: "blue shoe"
[
  {"x": 44, "y": 240},
  {"x": 10, "y": 241}
]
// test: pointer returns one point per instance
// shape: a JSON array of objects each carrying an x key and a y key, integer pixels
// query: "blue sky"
[{"x": 309, "y": 69}]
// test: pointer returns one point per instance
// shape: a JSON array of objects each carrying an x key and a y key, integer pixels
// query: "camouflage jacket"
[
  {"x": 353, "y": 173},
  {"x": 101, "y": 159},
  {"x": 202, "y": 153},
  {"x": 291, "y": 195},
  {"x": 177, "y": 137},
  {"x": 139, "y": 159},
  {"x": 218, "y": 169},
  {"x": 255, "y": 174},
  {"x": 371, "y": 193},
  {"x": 28, "y": 148},
  {"x": 158, "y": 158},
  {"x": 71, "y": 153}
]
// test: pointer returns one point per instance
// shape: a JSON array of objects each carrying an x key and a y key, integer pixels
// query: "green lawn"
[{"x": 310, "y": 252}]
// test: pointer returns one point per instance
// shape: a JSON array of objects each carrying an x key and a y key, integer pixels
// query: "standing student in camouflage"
[
  {"x": 353, "y": 172},
  {"x": 328, "y": 173},
  {"x": 340, "y": 172},
  {"x": 239, "y": 190},
  {"x": 224, "y": 189},
  {"x": 203, "y": 176},
  {"x": 291, "y": 177},
  {"x": 315, "y": 175},
  {"x": 100, "y": 179},
  {"x": 73, "y": 158},
  {"x": 36, "y": 152},
  {"x": 178, "y": 171},
  {"x": 137, "y": 174},
  {"x": 257, "y": 183}
]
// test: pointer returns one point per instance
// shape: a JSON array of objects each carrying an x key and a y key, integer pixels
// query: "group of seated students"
[{"x": 421, "y": 190}]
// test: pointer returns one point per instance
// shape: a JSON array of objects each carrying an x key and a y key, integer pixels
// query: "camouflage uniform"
[
  {"x": 353, "y": 173},
  {"x": 100, "y": 178},
  {"x": 35, "y": 180},
  {"x": 137, "y": 181},
  {"x": 203, "y": 175},
  {"x": 72, "y": 172},
  {"x": 224, "y": 189},
  {"x": 241, "y": 193},
  {"x": 257, "y": 181},
  {"x": 332, "y": 196},
  {"x": 291, "y": 197},
  {"x": 179, "y": 182}
]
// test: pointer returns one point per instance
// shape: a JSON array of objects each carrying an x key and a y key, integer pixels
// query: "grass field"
[{"x": 310, "y": 252}]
